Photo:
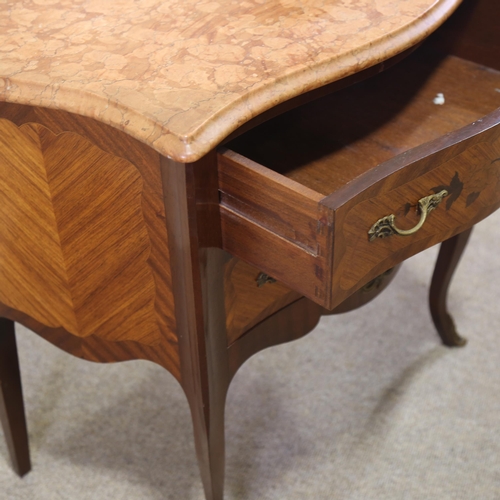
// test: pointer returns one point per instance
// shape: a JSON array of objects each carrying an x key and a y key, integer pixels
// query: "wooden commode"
[{"x": 190, "y": 182}]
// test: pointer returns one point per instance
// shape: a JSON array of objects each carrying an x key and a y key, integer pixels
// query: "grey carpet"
[{"x": 368, "y": 406}]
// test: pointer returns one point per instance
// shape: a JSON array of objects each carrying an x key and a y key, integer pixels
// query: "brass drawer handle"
[{"x": 386, "y": 226}]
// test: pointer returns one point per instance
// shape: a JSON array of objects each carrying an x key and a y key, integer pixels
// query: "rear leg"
[{"x": 449, "y": 255}]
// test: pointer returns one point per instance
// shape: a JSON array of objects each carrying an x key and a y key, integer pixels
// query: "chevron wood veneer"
[{"x": 73, "y": 243}]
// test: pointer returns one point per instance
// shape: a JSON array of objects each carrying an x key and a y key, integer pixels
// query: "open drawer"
[{"x": 317, "y": 197}]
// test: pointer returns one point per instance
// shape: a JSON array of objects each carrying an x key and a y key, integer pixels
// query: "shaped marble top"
[{"x": 181, "y": 75}]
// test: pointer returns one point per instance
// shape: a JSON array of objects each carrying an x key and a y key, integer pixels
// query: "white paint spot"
[
  {"x": 497, "y": 90},
  {"x": 439, "y": 99}
]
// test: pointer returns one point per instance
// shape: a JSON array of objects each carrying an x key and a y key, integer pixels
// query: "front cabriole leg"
[{"x": 197, "y": 260}]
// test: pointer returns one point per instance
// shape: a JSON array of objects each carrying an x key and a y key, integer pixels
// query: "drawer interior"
[{"x": 327, "y": 143}]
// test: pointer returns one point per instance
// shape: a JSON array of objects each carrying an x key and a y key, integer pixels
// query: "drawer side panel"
[{"x": 276, "y": 225}]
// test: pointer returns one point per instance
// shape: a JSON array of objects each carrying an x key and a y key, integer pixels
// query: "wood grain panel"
[
  {"x": 74, "y": 247},
  {"x": 283, "y": 206},
  {"x": 466, "y": 163},
  {"x": 246, "y": 303},
  {"x": 275, "y": 224},
  {"x": 302, "y": 271},
  {"x": 147, "y": 162},
  {"x": 32, "y": 267}
]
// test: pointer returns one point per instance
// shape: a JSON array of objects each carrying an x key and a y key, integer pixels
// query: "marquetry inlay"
[{"x": 74, "y": 246}]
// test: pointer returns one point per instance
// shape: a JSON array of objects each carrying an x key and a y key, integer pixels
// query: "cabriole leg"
[
  {"x": 11, "y": 400},
  {"x": 449, "y": 255},
  {"x": 193, "y": 223},
  {"x": 208, "y": 425},
  {"x": 206, "y": 388}
]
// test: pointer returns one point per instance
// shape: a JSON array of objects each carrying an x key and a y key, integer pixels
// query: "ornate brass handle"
[{"x": 386, "y": 226}]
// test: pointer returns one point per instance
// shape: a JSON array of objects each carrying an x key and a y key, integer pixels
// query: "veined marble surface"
[{"x": 180, "y": 75}]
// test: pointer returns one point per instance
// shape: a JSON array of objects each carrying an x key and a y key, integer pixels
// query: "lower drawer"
[{"x": 332, "y": 195}]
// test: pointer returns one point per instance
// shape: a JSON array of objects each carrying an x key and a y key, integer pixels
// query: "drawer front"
[
  {"x": 321, "y": 247},
  {"x": 464, "y": 164}
]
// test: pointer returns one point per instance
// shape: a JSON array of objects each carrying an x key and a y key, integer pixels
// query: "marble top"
[{"x": 181, "y": 75}]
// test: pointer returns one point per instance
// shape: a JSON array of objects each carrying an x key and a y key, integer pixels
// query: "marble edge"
[{"x": 190, "y": 148}]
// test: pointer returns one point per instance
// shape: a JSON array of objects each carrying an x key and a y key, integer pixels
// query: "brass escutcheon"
[
  {"x": 386, "y": 226},
  {"x": 264, "y": 278}
]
